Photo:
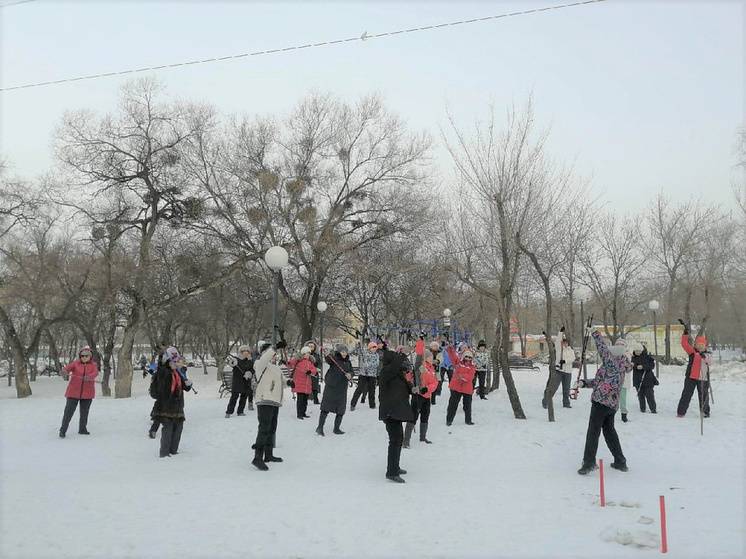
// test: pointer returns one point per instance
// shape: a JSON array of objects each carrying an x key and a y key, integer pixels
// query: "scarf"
[{"x": 175, "y": 381}]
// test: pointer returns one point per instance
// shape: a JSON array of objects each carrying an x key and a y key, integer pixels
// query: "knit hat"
[
  {"x": 171, "y": 354},
  {"x": 700, "y": 340},
  {"x": 468, "y": 353},
  {"x": 481, "y": 343},
  {"x": 619, "y": 348},
  {"x": 244, "y": 348},
  {"x": 85, "y": 349},
  {"x": 372, "y": 345},
  {"x": 341, "y": 348},
  {"x": 435, "y": 346},
  {"x": 305, "y": 350}
]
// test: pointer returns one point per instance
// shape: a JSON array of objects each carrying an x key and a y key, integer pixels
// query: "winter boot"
[
  {"x": 337, "y": 425},
  {"x": 239, "y": 414},
  {"x": 227, "y": 415},
  {"x": 269, "y": 456},
  {"x": 352, "y": 407},
  {"x": 257, "y": 462},
  {"x": 624, "y": 418},
  {"x": 83, "y": 432},
  {"x": 251, "y": 406},
  {"x": 408, "y": 434},
  {"x": 423, "y": 433},
  {"x": 62, "y": 434},
  {"x": 322, "y": 420},
  {"x": 395, "y": 479},
  {"x": 621, "y": 466},
  {"x": 586, "y": 468}
]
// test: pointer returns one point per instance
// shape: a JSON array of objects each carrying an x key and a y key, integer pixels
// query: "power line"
[{"x": 364, "y": 37}]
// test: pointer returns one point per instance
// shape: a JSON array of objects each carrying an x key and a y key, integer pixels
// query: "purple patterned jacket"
[{"x": 610, "y": 375}]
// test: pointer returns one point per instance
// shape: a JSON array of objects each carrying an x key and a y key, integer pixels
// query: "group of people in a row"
[{"x": 406, "y": 390}]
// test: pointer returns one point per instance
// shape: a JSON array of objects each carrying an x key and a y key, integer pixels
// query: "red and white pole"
[
  {"x": 664, "y": 534},
  {"x": 601, "y": 481}
]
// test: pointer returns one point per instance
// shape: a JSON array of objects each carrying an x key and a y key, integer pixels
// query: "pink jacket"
[
  {"x": 82, "y": 384},
  {"x": 463, "y": 374},
  {"x": 303, "y": 369}
]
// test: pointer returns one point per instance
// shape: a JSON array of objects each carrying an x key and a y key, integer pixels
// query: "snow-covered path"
[{"x": 502, "y": 488}]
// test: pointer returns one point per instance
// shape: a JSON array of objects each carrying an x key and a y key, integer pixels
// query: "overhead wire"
[{"x": 364, "y": 37}]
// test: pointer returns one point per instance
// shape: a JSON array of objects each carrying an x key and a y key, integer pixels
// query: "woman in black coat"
[
  {"x": 241, "y": 384},
  {"x": 643, "y": 378},
  {"x": 394, "y": 408},
  {"x": 338, "y": 378},
  {"x": 167, "y": 388}
]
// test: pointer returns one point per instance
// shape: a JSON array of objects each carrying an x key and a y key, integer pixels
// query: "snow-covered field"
[{"x": 502, "y": 488}]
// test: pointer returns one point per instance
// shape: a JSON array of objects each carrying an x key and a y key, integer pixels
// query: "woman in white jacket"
[{"x": 269, "y": 385}]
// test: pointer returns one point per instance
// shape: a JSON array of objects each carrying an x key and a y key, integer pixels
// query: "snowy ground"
[{"x": 502, "y": 488}]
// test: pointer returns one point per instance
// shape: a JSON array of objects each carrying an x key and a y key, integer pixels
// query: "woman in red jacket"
[
  {"x": 697, "y": 374},
  {"x": 81, "y": 388},
  {"x": 425, "y": 383},
  {"x": 461, "y": 383},
  {"x": 303, "y": 372}
]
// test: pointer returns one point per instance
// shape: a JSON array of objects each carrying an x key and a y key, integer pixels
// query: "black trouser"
[
  {"x": 241, "y": 403},
  {"x": 170, "y": 436},
  {"x": 395, "y": 429},
  {"x": 566, "y": 382},
  {"x": 301, "y": 404},
  {"x": 365, "y": 385},
  {"x": 703, "y": 391},
  {"x": 449, "y": 374},
  {"x": 421, "y": 409},
  {"x": 265, "y": 433},
  {"x": 453, "y": 406},
  {"x": 437, "y": 392},
  {"x": 645, "y": 392},
  {"x": 70, "y": 406},
  {"x": 481, "y": 376},
  {"x": 602, "y": 419}
]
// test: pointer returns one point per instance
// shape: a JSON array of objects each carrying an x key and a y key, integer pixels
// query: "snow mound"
[{"x": 640, "y": 539}]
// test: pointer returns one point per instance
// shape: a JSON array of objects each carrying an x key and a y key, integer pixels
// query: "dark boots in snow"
[
  {"x": 408, "y": 434},
  {"x": 423, "y": 433},
  {"x": 621, "y": 466},
  {"x": 337, "y": 425},
  {"x": 322, "y": 420},
  {"x": 257, "y": 462},
  {"x": 624, "y": 418},
  {"x": 269, "y": 456},
  {"x": 586, "y": 469}
]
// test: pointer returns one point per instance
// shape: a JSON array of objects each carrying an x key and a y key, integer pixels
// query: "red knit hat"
[{"x": 700, "y": 340}]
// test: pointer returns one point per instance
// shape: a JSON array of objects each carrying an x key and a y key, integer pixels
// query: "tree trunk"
[
  {"x": 53, "y": 351},
  {"x": 23, "y": 388},
  {"x": 515, "y": 400},
  {"x": 123, "y": 381}
]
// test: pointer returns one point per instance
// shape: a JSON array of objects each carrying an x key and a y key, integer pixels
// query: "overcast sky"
[{"x": 641, "y": 96}]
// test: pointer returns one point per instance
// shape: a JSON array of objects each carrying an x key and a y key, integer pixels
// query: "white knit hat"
[{"x": 305, "y": 350}]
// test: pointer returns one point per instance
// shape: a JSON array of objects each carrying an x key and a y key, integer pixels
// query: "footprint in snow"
[{"x": 633, "y": 538}]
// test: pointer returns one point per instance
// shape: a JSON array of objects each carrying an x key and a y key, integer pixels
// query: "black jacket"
[
  {"x": 334, "y": 399},
  {"x": 394, "y": 389},
  {"x": 240, "y": 385},
  {"x": 169, "y": 403},
  {"x": 645, "y": 376}
]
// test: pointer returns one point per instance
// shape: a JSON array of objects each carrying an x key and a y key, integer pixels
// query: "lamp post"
[
  {"x": 654, "y": 306},
  {"x": 321, "y": 306},
  {"x": 276, "y": 258}
]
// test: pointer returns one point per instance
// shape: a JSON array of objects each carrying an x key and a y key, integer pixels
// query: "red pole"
[
  {"x": 601, "y": 481},
  {"x": 664, "y": 535}
]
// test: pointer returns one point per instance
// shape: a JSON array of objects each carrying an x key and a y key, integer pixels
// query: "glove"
[
  {"x": 247, "y": 375},
  {"x": 282, "y": 344},
  {"x": 188, "y": 383},
  {"x": 349, "y": 376},
  {"x": 581, "y": 383},
  {"x": 562, "y": 329},
  {"x": 291, "y": 383},
  {"x": 562, "y": 363},
  {"x": 423, "y": 390}
]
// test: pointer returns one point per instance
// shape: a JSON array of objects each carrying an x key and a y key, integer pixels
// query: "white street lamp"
[
  {"x": 276, "y": 258},
  {"x": 654, "y": 306}
]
